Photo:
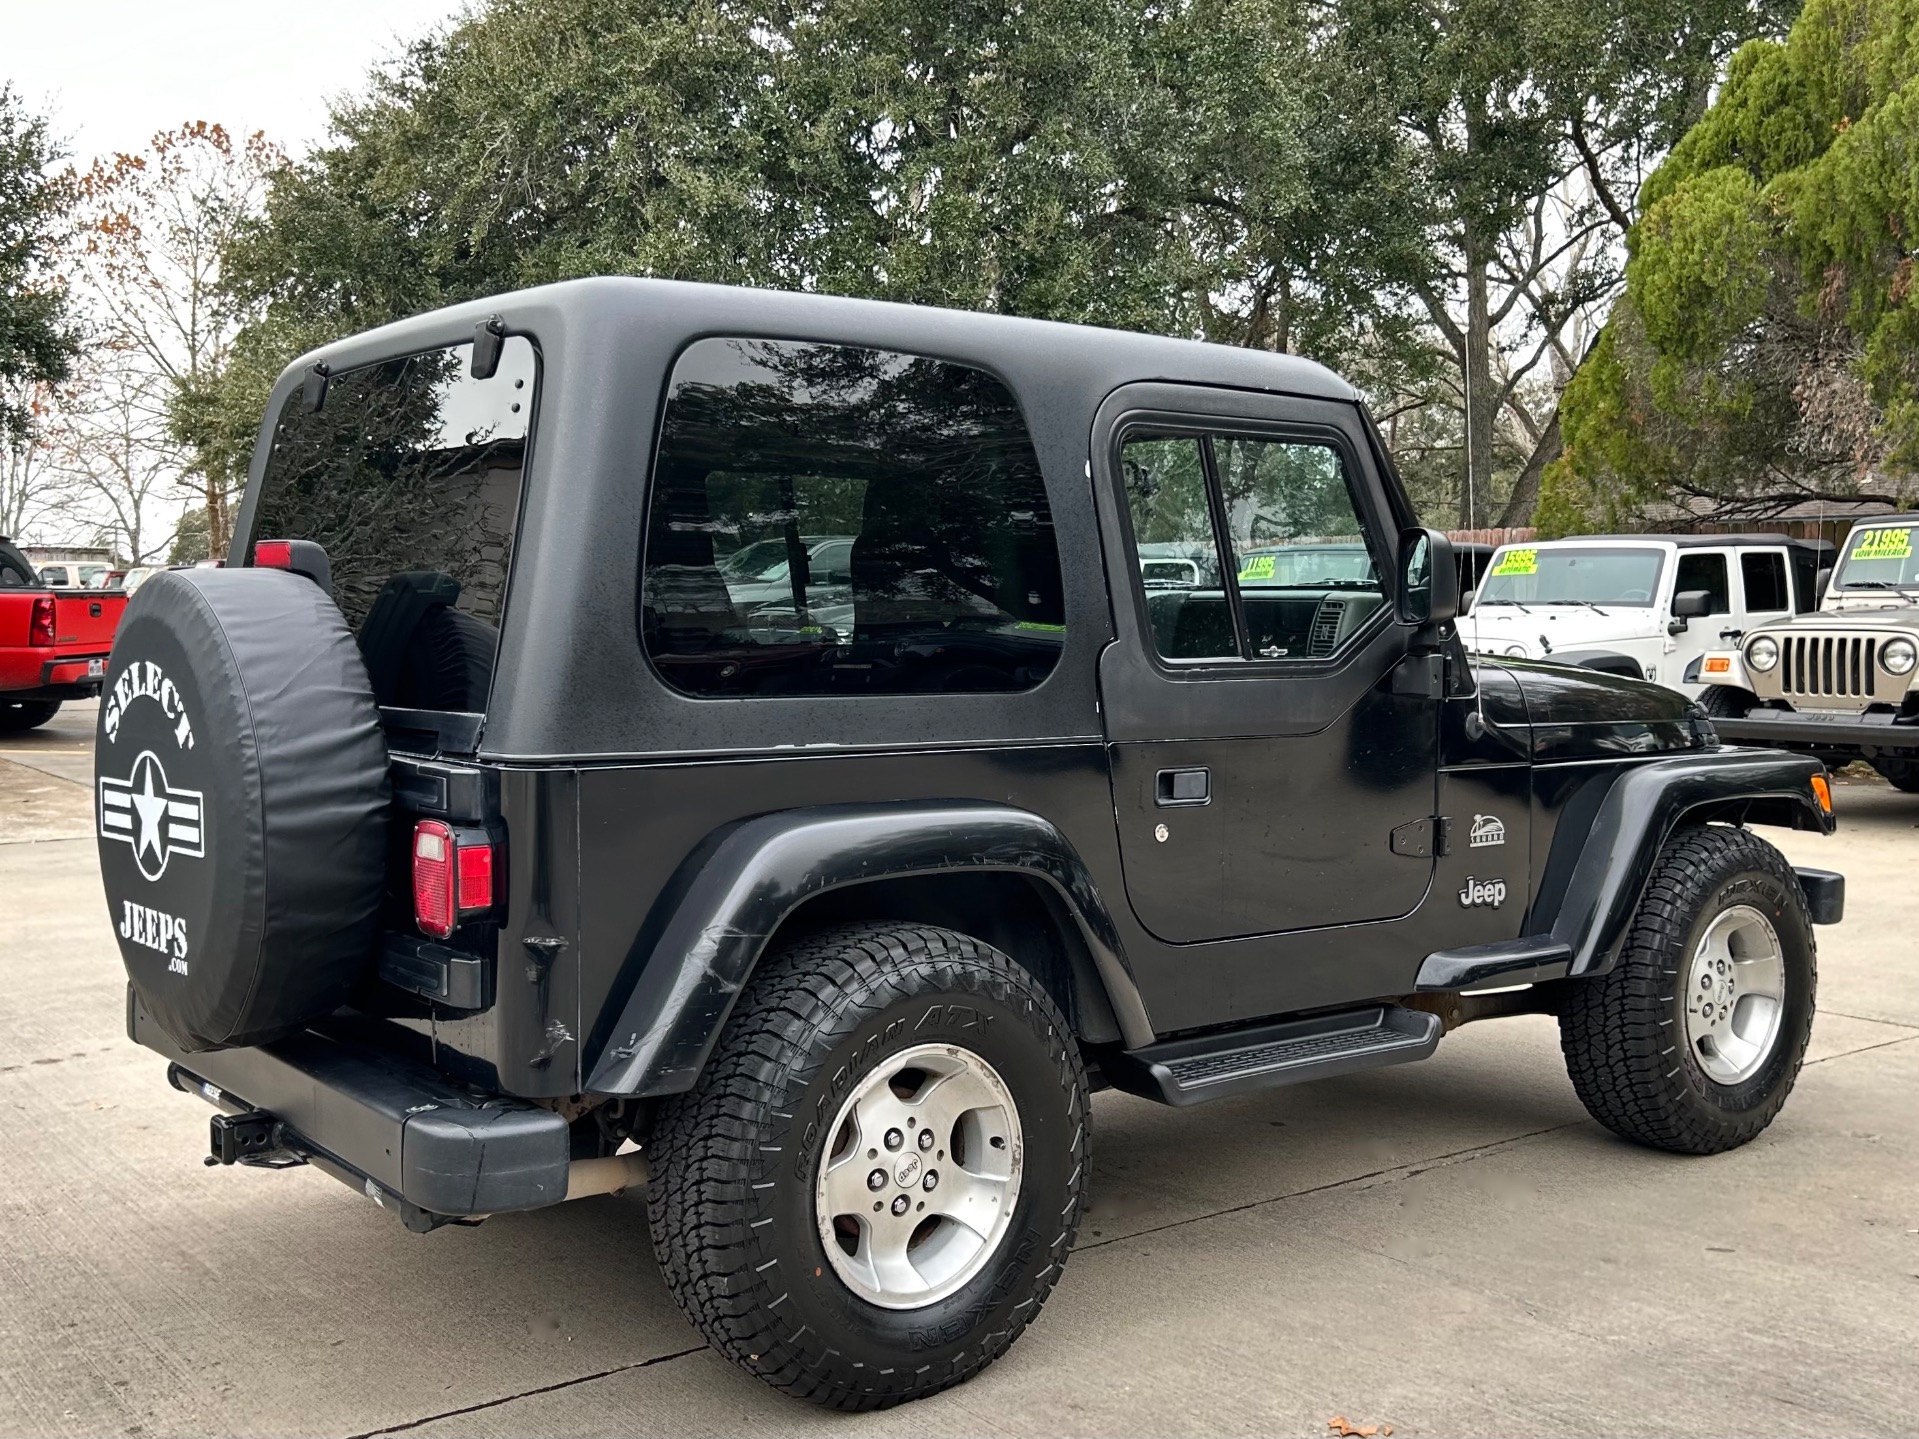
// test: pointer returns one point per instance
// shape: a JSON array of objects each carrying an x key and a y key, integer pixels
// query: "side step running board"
[{"x": 1186, "y": 1071}]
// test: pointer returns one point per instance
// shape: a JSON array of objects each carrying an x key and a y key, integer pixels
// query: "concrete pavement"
[{"x": 1449, "y": 1248}]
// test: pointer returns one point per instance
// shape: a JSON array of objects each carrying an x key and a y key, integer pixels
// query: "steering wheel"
[{"x": 1643, "y": 597}]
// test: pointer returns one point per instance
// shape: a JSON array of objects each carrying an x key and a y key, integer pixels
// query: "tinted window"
[
  {"x": 1765, "y": 577},
  {"x": 832, "y": 520},
  {"x": 1301, "y": 579},
  {"x": 15, "y": 572},
  {"x": 1708, "y": 573},
  {"x": 409, "y": 475}
]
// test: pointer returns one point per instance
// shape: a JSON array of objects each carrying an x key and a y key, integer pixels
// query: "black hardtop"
[
  {"x": 617, "y": 304},
  {"x": 1705, "y": 542},
  {"x": 572, "y": 683}
]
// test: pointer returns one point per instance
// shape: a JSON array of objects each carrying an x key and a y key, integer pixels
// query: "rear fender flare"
[
  {"x": 713, "y": 921},
  {"x": 1610, "y": 861}
]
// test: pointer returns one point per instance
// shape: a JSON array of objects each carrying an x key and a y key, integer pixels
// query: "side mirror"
[
  {"x": 1688, "y": 605},
  {"x": 1428, "y": 578},
  {"x": 1691, "y": 605},
  {"x": 1466, "y": 601},
  {"x": 1819, "y": 584}
]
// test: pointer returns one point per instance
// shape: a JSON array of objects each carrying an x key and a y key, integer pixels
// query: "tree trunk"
[
  {"x": 1525, "y": 495},
  {"x": 1481, "y": 403},
  {"x": 217, "y": 537}
]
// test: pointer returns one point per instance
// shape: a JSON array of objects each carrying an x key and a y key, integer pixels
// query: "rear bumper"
[
  {"x": 398, "y": 1130},
  {"x": 48, "y": 674},
  {"x": 1812, "y": 731}
]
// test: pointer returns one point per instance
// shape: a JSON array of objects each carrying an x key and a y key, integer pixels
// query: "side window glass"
[
  {"x": 1765, "y": 577},
  {"x": 829, "y": 520},
  {"x": 1307, "y": 579},
  {"x": 1186, "y": 605},
  {"x": 1708, "y": 573}
]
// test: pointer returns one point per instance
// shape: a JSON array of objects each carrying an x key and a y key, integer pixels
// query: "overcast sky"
[{"x": 114, "y": 71}]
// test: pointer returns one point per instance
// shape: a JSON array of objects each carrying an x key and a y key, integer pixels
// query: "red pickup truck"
[{"x": 53, "y": 643}]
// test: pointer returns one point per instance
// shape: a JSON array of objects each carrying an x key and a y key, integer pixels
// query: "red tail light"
[
  {"x": 40, "y": 622},
  {"x": 473, "y": 876},
  {"x": 274, "y": 554},
  {"x": 452, "y": 876}
]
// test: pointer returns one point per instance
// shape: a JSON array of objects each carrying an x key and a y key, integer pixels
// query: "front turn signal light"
[{"x": 1822, "y": 791}]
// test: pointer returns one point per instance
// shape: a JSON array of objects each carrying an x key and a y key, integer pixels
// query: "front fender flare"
[
  {"x": 733, "y": 892},
  {"x": 1611, "y": 861},
  {"x": 1611, "y": 662}
]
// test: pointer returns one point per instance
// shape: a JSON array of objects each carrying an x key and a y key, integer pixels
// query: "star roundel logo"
[{"x": 144, "y": 811}]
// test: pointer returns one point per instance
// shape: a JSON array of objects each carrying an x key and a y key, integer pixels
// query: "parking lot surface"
[{"x": 1449, "y": 1247}]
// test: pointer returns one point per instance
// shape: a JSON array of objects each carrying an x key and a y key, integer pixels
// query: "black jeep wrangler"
[{"x": 727, "y": 741}]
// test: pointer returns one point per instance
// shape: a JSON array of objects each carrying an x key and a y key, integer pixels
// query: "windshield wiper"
[
  {"x": 1587, "y": 603},
  {"x": 1481, "y": 604}
]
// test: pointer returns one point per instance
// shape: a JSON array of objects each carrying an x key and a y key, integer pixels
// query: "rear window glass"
[
  {"x": 827, "y": 520},
  {"x": 409, "y": 475}
]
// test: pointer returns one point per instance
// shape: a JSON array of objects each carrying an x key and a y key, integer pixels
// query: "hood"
[
  {"x": 1541, "y": 631},
  {"x": 1583, "y": 714},
  {"x": 1895, "y": 616}
]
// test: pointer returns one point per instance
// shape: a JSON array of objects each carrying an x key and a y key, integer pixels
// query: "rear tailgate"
[{"x": 84, "y": 621}]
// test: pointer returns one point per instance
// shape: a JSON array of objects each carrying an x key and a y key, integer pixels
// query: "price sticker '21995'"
[{"x": 1887, "y": 544}]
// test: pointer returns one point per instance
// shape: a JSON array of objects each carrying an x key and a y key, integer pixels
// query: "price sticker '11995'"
[{"x": 1518, "y": 562}]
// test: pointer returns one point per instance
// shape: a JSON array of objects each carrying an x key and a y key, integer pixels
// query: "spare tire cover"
[{"x": 241, "y": 802}]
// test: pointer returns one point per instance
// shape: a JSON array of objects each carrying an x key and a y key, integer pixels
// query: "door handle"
[{"x": 1182, "y": 786}]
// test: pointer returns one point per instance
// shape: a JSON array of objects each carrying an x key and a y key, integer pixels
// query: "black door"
[{"x": 1266, "y": 774}]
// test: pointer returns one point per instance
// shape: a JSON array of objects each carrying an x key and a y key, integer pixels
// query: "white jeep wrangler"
[{"x": 1649, "y": 607}]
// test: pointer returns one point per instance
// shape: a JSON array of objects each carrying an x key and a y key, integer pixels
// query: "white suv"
[{"x": 1647, "y": 606}]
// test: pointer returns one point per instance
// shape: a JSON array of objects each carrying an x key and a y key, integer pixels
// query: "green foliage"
[
  {"x": 1087, "y": 160},
  {"x": 37, "y": 343},
  {"x": 1326, "y": 179},
  {"x": 1768, "y": 344},
  {"x": 1700, "y": 272}
]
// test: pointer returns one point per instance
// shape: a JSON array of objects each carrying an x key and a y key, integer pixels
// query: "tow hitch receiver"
[{"x": 253, "y": 1138}]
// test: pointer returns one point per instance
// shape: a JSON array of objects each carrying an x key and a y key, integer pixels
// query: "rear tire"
[
  {"x": 768, "y": 1161},
  {"x": 19, "y": 716},
  {"x": 1676, "y": 1047}
]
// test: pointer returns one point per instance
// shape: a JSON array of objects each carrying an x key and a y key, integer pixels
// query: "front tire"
[
  {"x": 1692, "y": 1042},
  {"x": 19, "y": 716},
  {"x": 1726, "y": 702},
  {"x": 1901, "y": 774},
  {"x": 784, "y": 1216}
]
